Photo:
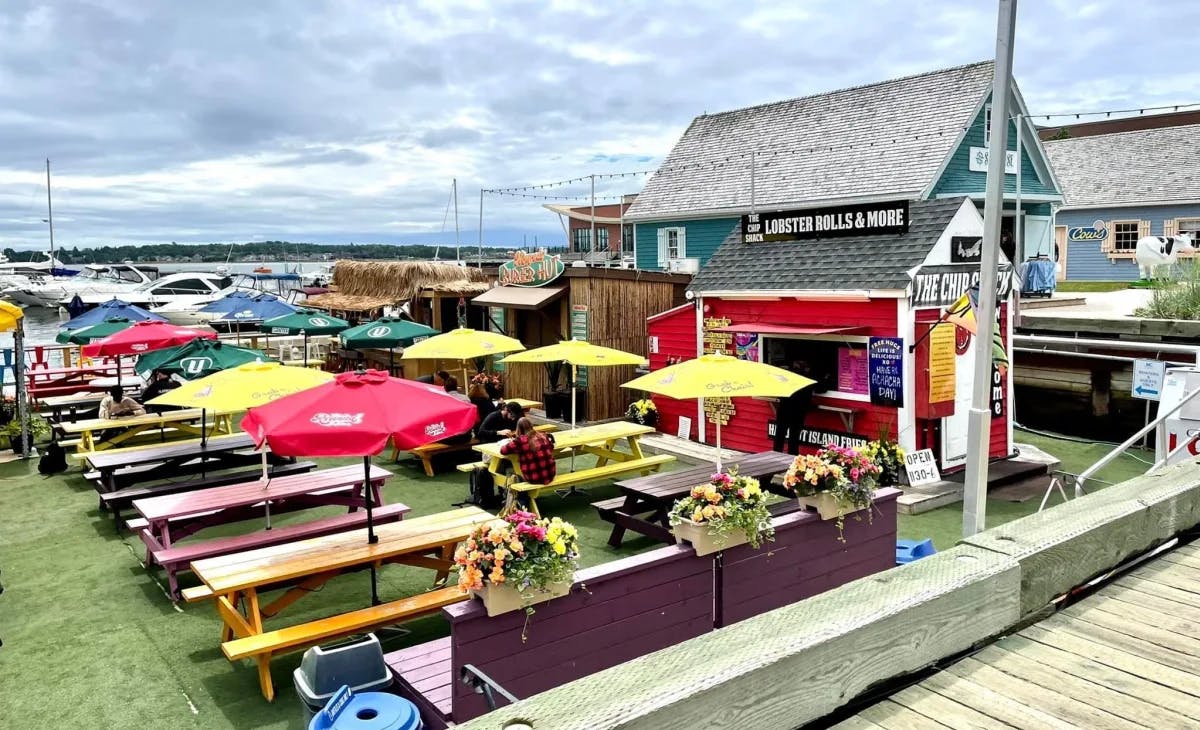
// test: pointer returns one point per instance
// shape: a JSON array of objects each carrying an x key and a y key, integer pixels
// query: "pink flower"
[
  {"x": 521, "y": 516},
  {"x": 854, "y": 473}
]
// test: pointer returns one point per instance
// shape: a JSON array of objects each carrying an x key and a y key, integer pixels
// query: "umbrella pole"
[
  {"x": 391, "y": 361},
  {"x": 372, "y": 538},
  {"x": 572, "y": 490},
  {"x": 118, "y": 369},
  {"x": 266, "y": 480},
  {"x": 305, "y": 348},
  {"x": 719, "y": 445}
]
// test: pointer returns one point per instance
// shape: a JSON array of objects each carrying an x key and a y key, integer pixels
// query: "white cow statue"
[{"x": 1155, "y": 251}]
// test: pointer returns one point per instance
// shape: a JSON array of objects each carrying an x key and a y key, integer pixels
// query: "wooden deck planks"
[{"x": 1127, "y": 657}]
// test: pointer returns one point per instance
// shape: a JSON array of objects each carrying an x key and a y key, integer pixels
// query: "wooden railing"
[{"x": 798, "y": 663}]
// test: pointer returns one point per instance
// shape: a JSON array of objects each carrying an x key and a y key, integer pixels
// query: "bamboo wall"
[{"x": 618, "y": 302}]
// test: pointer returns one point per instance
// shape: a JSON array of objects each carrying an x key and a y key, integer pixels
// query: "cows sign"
[
  {"x": 535, "y": 268},
  {"x": 1086, "y": 234}
]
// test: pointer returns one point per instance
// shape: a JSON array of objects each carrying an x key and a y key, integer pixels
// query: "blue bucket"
[{"x": 366, "y": 711}]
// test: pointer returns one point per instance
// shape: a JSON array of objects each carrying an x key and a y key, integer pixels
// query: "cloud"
[{"x": 345, "y": 120}]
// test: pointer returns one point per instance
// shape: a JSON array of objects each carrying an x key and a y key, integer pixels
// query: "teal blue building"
[{"x": 914, "y": 138}]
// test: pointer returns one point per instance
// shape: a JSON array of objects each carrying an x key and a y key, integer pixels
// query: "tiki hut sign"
[{"x": 531, "y": 269}]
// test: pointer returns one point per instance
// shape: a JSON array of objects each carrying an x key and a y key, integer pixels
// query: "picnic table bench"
[
  {"x": 646, "y": 501},
  {"x": 122, "y": 500},
  {"x": 427, "y": 452},
  {"x": 167, "y": 519},
  {"x": 161, "y": 461},
  {"x": 181, "y": 421},
  {"x": 233, "y": 583},
  {"x": 76, "y": 403},
  {"x": 599, "y": 440}
]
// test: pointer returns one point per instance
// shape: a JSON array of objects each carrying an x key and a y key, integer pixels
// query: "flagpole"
[{"x": 979, "y": 416}]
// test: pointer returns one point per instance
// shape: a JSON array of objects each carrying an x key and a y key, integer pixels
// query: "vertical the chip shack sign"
[{"x": 531, "y": 269}]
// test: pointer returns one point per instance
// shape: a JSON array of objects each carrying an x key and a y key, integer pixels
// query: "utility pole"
[
  {"x": 49, "y": 213},
  {"x": 457, "y": 243},
  {"x": 480, "y": 261},
  {"x": 980, "y": 416},
  {"x": 593, "y": 240}
]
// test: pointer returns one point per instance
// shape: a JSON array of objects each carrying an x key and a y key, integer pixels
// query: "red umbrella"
[
  {"x": 143, "y": 337},
  {"x": 356, "y": 414}
]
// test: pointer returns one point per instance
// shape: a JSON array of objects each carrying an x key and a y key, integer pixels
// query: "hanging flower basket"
[{"x": 503, "y": 598}]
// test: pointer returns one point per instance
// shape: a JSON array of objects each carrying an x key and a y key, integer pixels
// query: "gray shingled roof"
[
  {"x": 1143, "y": 166},
  {"x": 859, "y": 262},
  {"x": 871, "y": 129}
]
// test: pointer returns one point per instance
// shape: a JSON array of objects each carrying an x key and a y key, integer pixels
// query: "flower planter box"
[
  {"x": 696, "y": 533},
  {"x": 503, "y": 598},
  {"x": 828, "y": 506}
]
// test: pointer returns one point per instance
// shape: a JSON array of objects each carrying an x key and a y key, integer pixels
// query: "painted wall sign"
[
  {"x": 819, "y": 438},
  {"x": 885, "y": 367},
  {"x": 531, "y": 269},
  {"x": 852, "y": 370},
  {"x": 979, "y": 160},
  {"x": 866, "y": 219},
  {"x": 717, "y": 410},
  {"x": 940, "y": 286},
  {"x": 1095, "y": 233},
  {"x": 580, "y": 330},
  {"x": 942, "y": 381},
  {"x": 966, "y": 249}
]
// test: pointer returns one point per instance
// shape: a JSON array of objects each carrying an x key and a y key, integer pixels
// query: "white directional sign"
[{"x": 1148, "y": 376}]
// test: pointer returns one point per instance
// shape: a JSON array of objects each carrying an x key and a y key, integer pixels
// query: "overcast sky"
[{"x": 345, "y": 120}]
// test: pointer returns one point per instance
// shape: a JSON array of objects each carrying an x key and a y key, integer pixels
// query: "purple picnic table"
[{"x": 170, "y": 518}]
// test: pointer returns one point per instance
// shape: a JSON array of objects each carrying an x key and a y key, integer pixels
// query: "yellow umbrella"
[
  {"x": 10, "y": 314},
  {"x": 461, "y": 344},
  {"x": 577, "y": 352},
  {"x": 720, "y": 376},
  {"x": 245, "y": 386}
]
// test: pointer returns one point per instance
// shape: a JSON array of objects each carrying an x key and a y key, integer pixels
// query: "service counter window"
[{"x": 837, "y": 362}]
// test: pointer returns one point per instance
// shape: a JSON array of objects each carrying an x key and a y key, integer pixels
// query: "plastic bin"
[
  {"x": 356, "y": 663},
  {"x": 366, "y": 711},
  {"x": 910, "y": 550}
]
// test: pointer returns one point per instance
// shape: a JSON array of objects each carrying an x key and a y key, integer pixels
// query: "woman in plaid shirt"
[{"x": 535, "y": 453}]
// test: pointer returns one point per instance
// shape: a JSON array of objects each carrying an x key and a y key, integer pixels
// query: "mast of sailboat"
[
  {"x": 454, "y": 188},
  {"x": 49, "y": 213}
]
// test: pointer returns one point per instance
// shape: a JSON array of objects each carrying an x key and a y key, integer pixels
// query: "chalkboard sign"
[{"x": 885, "y": 367}]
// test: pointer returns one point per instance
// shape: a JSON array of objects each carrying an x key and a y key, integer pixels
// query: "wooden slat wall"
[
  {"x": 630, "y": 607},
  {"x": 805, "y": 559}
]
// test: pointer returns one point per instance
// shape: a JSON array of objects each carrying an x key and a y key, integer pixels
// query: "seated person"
[
  {"x": 116, "y": 404},
  {"x": 500, "y": 423},
  {"x": 450, "y": 383},
  {"x": 482, "y": 400},
  {"x": 535, "y": 453},
  {"x": 160, "y": 382},
  {"x": 437, "y": 378}
]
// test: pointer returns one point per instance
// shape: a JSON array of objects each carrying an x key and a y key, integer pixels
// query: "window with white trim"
[
  {"x": 1125, "y": 235},
  {"x": 987, "y": 125},
  {"x": 1189, "y": 227},
  {"x": 826, "y": 356},
  {"x": 672, "y": 244}
]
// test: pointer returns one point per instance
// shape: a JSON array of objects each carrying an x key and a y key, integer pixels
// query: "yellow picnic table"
[
  {"x": 600, "y": 440},
  {"x": 234, "y": 581},
  {"x": 183, "y": 421}
]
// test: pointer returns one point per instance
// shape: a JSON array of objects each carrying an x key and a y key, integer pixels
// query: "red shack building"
[{"x": 852, "y": 291}]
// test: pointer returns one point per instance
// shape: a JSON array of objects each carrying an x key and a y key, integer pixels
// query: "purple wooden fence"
[
  {"x": 805, "y": 559},
  {"x": 616, "y": 612},
  {"x": 627, "y": 608}
]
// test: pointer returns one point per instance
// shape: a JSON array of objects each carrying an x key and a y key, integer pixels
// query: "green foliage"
[
  {"x": 1063, "y": 133},
  {"x": 38, "y": 427},
  {"x": 727, "y": 503},
  {"x": 1173, "y": 299},
  {"x": 1072, "y": 287}
]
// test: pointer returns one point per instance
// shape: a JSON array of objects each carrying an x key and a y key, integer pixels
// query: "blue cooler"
[{"x": 366, "y": 711}]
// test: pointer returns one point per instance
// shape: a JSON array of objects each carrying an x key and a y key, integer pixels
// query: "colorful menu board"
[
  {"x": 942, "y": 377},
  {"x": 885, "y": 363},
  {"x": 852, "y": 370},
  {"x": 718, "y": 410}
]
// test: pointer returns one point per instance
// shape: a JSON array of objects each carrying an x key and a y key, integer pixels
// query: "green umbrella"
[
  {"x": 198, "y": 359},
  {"x": 386, "y": 333},
  {"x": 305, "y": 322},
  {"x": 86, "y": 334}
]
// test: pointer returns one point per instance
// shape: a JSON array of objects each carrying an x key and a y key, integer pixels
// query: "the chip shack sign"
[
  {"x": 867, "y": 219},
  {"x": 531, "y": 269}
]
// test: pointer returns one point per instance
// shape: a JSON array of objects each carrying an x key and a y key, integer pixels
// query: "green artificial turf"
[
  {"x": 91, "y": 640},
  {"x": 1074, "y": 287}
]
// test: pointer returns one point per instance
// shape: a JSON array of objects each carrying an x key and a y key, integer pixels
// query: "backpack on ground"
[
  {"x": 54, "y": 460},
  {"x": 483, "y": 490}
]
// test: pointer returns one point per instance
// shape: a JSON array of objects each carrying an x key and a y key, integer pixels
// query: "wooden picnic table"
[
  {"x": 65, "y": 381},
  {"x": 131, "y": 426},
  {"x": 526, "y": 404},
  {"x": 600, "y": 440},
  {"x": 647, "y": 501},
  {"x": 234, "y": 582},
  {"x": 164, "y": 460},
  {"x": 173, "y": 517}
]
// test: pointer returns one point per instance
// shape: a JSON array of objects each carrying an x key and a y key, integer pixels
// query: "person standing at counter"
[{"x": 792, "y": 411}]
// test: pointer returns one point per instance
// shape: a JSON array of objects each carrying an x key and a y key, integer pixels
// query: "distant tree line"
[{"x": 239, "y": 252}]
